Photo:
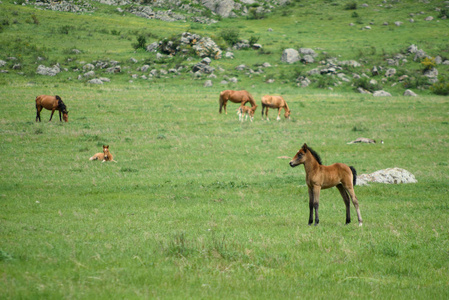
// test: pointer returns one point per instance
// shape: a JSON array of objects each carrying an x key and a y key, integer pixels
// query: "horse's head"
[
  {"x": 287, "y": 114},
  {"x": 300, "y": 157},
  {"x": 65, "y": 116}
]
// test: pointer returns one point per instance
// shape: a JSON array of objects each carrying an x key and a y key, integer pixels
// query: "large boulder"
[
  {"x": 290, "y": 56},
  {"x": 388, "y": 176}
]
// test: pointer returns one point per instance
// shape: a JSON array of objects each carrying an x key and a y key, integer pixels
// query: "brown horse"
[
  {"x": 103, "y": 156},
  {"x": 275, "y": 102},
  {"x": 51, "y": 103},
  {"x": 245, "y": 111},
  {"x": 323, "y": 177},
  {"x": 237, "y": 97}
]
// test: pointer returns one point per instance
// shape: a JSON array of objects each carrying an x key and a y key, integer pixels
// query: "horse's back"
[
  {"x": 273, "y": 101},
  {"x": 47, "y": 101}
]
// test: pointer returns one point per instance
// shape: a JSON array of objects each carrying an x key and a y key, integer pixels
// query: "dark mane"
[
  {"x": 316, "y": 155},
  {"x": 61, "y": 105}
]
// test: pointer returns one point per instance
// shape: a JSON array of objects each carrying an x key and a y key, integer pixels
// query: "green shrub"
[
  {"x": 366, "y": 84},
  {"x": 253, "y": 40},
  {"x": 65, "y": 29},
  {"x": 428, "y": 63},
  {"x": 230, "y": 36},
  {"x": 141, "y": 42},
  {"x": 255, "y": 14},
  {"x": 35, "y": 19},
  {"x": 441, "y": 87},
  {"x": 444, "y": 13},
  {"x": 351, "y": 5}
]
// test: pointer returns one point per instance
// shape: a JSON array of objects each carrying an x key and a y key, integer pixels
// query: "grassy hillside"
[
  {"x": 105, "y": 35},
  {"x": 200, "y": 205}
]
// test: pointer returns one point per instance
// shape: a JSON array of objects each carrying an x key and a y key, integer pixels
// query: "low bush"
[
  {"x": 441, "y": 87},
  {"x": 230, "y": 36},
  {"x": 141, "y": 42},
  {"x": 367, "y": 84},
  {"x": 351, "y": 5},
  {"x": 428, "y": 63}
]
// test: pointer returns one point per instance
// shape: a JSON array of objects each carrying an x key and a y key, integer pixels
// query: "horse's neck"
[
  {"x": 311, "y": 164},
  {"x": 285, "y": 106}
]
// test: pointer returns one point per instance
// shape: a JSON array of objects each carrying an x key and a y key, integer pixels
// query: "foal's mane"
[{"x": 316, "y": 155}]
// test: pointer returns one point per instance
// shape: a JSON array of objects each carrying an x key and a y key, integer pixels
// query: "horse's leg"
[
  {"x": 266, "y": 113},
  {"x": 345, "y": 196},
  {"x": 355, "y": 201},
  {"x": 60, "y": 119},
  {"x": 224, "y": 105},
  {"x": 51, "y": 116},
  {"x": 316, "y": 202},
  {"x": 310, "y": 206},
  {"x": 279, "y": 114},
  {"x": 38, "y": 113}
]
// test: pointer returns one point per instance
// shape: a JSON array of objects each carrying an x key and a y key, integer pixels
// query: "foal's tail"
[
  {"x": 220, "y": 100},
  {"x": 354, "y": 175}
]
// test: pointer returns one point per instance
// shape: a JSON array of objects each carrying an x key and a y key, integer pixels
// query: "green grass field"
[{"x": 199, "y": 205}]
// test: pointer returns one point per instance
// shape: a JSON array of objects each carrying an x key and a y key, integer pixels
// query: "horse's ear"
[{"x": 304, "y": 147}]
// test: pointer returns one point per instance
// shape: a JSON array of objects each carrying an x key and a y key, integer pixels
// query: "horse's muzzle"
[{"x": 292, "y": 164}]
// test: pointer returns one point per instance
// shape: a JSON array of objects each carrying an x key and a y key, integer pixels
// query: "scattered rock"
[
  {"x": 410, "y": 93},
  {"x": 48, "y": 71},
  {"x": 290, "y": 56},
  {"x": 381, "y": 93},
  {"x": 362, "y": 140},
  {"x": 89, "y": 74},
  {"x": 388, "y": 176},
  {"x": 208, "y": 83},
  {"x": 390, "y": 72},
  {"x": 95, "y": 81}
]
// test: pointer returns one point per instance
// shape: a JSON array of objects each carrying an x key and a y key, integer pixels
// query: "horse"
[
  {"x": 245, "y": 111},
  {"x": 237, "y": 97},
  {"x": 320, "y": 177},
  {"x": 103, "y": 156},
  {"x": 275, "y": 102},
  {"x": 51, "y": 103}
]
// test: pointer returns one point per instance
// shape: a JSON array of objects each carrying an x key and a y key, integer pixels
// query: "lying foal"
[{"x": 103, "y": 156}]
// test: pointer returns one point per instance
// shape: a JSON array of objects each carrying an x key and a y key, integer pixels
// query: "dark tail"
[
  {"x": 220, "y": 101},
  {"x": 354, "y": 175}
]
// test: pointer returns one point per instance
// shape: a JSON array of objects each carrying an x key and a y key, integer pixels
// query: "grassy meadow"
[{"x": 199, "y": 205}]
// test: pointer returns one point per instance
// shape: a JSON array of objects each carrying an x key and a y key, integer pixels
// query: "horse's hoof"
[{"x": 360, "y": 224}]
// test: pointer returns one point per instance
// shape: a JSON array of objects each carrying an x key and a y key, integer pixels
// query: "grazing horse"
[
  {"x": 275, "y": 102},
  {"x": 245, "y": 111},
  {"x": 51, "y": 103},
  {"x": 323, "y": 177},
  {"x": 103, "y": 156},
  {"x": 237, "y": 97}
]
